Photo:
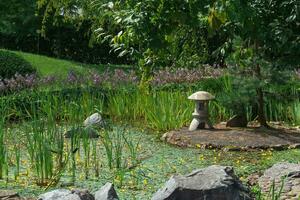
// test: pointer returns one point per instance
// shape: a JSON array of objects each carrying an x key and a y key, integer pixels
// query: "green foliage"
[
  {"x": 18, "y": 18},
  {"x": 258, "y": 41},
  {"x": 166, "y": 111},
  {"x": 23, "y": 27},
  {"x": 11, "y": 63},
  {"x": 155, "y": 33},
  {"x": 2, "y": 138}
]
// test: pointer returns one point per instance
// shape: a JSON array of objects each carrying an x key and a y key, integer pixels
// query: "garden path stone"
[
  {"x": 289, "y": 173},
  {"x": 106, "y": 192},
  {"x": 211, "y": 183}
]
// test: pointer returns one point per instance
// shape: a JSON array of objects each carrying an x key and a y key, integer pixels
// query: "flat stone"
[{"x": 233, "y": 138}]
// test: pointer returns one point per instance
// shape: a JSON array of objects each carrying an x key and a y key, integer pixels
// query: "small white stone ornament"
[{"x": 200, "y": 114}]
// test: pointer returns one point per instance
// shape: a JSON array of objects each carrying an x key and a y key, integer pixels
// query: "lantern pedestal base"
[{"x": 200, "y": 124}]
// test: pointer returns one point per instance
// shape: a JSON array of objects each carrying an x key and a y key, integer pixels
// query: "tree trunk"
[
  {"x": 261, "y": 113},
  {"x": 260, "y": 94},
  {"x": 260, "y": 97}
]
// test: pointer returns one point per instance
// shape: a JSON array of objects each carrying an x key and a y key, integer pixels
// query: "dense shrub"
[{"x": 11, "y": 64}]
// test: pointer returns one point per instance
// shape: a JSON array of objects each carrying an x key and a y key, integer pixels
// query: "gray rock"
[
  {"x": 237, "y": 121},
  {"x": 107, "y": 192},
  {"x": 83, "y": 194},
  {"x": 285, "y": 175},
  {"x": 59, "y": 194},
  {"x": 94, "y": 120},
  {"x": 211, "y": 183}
]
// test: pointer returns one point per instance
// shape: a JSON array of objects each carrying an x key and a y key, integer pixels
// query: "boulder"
[
  {"x": 282, "y": 175},
  {"x": 83, "y": 194},
  {"x": 211, "y": 183},
  {"x": 63, "y": 194},
  {"x": 59, "y": 194},
  {"x": 107, "y": 192},
  {"x": 237, "y": 121},
  {"x": 94, "y": 120}
]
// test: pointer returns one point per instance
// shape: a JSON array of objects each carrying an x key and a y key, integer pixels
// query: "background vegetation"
[{"x": 135, "y": 62}]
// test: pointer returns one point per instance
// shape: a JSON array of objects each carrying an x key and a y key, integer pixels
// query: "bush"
[{"x": 11, "y": 63}]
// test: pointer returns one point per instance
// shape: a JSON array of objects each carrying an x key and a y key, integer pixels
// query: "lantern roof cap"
[{"x": 201, "y": 96}]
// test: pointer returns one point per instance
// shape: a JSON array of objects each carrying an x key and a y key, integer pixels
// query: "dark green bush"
[{"x": 11, "y": 63}]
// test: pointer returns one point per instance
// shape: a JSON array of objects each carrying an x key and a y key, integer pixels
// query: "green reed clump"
[
  {"x": 165, "y": 111},
  {"x": 273, "y": 193},
  {"x": 38, "y": 145},
  {"x": 127, "y": 105},
  {"x": 17, "y": 151},
  {"x": 39, "y": 141},
  {"x": 296, "y": 112},
  {"x": 121, "y": 152},
  {"x": 119, "y": 143},
  {"x": 3, "y": 148},
  {"x": 218, "y": 112},
  {"x": 283, "y": 111},
  {"x": 86, "y": 144},
  {"x": 95, "y": 157}
]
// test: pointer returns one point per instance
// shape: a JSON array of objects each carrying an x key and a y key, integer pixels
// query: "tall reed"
[
  {"x": 3, "y": 148},
  {"x": 165, "y": 111},
  {"x": 39, "y": 148}
]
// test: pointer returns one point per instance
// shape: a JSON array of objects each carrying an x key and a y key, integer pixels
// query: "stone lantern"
[{"x": 200, "y": 114}]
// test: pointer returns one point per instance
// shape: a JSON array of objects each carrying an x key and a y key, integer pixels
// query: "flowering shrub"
[
  {"x": 184, "y": 75},
  {"x": 18, "y": 82},
  {"x": 113, "y": 78}
]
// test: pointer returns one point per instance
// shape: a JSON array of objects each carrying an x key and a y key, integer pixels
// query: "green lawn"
[
  {"x": 54, "y": 66},
  {"x": 50, "y": 66}
]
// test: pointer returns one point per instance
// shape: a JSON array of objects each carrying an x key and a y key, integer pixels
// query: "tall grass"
[
  {"x": 281, "y": 111},
  {"x": 296, "y": 112},
  {"x": 166, "y": 111},
  {"x": 2, "y": 149},
  {"x": 39, "y": 149},
  {"x": 127, "y": 105},
  {"x": 117, "y": 143},
  {"x": 50, "y": 115}
]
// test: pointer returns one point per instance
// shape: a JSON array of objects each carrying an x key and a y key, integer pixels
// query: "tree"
[
  {"x": 149, "y": 30},
  {"x": 18, "y": 19},
  {"x": 264, "y": 38}
]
